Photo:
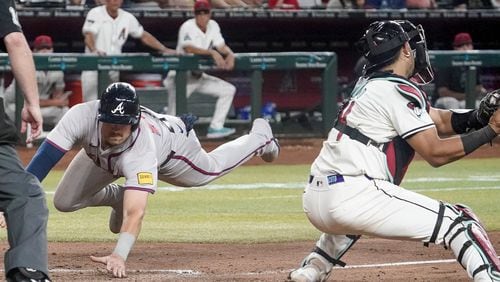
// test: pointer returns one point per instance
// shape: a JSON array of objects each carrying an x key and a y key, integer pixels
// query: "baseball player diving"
[
  {"x": 122, "y": 139},
  {"x": 353, "y": 187}
]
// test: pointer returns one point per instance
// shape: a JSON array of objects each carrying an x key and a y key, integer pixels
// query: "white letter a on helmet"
[{"x": 118, "y": 109}]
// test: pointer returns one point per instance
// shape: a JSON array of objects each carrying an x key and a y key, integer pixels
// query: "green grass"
[{"x": 265, "y": 214}]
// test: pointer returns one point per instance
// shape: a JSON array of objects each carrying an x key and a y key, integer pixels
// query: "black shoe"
[{"x": 26, "y": 274}]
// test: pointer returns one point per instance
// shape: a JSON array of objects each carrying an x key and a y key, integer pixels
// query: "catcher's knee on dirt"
[
  {"x": 318, "y": 265},
  {"x": 469, "y": 242}
]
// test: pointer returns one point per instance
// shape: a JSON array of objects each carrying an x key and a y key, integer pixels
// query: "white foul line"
[{"x": 189, "y": 272}]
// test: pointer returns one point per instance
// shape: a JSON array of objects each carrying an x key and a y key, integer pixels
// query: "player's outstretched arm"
[
  {"x": 151, "y": 41},
  {"x": 89, "y": 40},
  {"x": 45, "y": 158},
  {"x": 134, "y": 207}
]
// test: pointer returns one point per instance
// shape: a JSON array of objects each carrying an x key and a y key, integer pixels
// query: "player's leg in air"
[{"x": 190, "y": 165}]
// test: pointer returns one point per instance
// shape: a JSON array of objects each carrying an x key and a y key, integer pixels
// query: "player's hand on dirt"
[
  {"x": 3, "y": 223},
  {"x": 32, "y": 115},
  {"x": 218, "y": 59},
  {"x": 114, "y": 264}
]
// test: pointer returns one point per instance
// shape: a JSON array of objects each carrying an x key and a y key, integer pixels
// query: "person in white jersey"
[
  {"x": 202, "y": 36},
  {"x": 353, "y": 187},
  {"x": 105, "y": 30},
  {"x": 122, "y": 139}
]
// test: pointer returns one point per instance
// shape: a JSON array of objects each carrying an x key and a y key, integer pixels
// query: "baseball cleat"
[
  {"x": 220, "y": 133},
  {"x": 271, "y": 150},
  {"x": 314, "y": 268}
]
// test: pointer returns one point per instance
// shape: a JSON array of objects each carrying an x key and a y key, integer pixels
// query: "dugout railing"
[
  {"x": 472, "y": 60},
  {"x": 255, "y": 63}
]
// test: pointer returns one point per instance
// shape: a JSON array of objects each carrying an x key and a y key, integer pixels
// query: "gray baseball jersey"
[{"x": 160, "y": 148}]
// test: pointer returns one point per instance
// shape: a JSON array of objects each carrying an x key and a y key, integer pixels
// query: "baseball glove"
[{"x": 488, "y": 105}]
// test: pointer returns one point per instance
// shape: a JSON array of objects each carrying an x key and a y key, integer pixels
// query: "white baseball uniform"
[
  {"x": 160, "y": 148},
  {"x": 191, "y": 35},
  {"x": 353, "y": 187},
  {"x": 47, "y": 82},
  {"x": 368, "y": 200},
  {"x": 109, "y": 35}
]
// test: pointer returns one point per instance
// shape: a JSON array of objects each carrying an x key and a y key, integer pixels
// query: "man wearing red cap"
[
  {"x": 53, "y": 100},
  {"x": 202, "y": 36},
  {"x": 450, "y": 82}
]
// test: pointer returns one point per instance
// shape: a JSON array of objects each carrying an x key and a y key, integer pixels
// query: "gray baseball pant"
[{"x": 23, "y": 202}]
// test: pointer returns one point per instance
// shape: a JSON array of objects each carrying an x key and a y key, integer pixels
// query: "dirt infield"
[{"x": 370, "y": 259}]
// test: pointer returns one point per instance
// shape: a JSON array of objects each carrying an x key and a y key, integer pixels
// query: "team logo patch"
[
  {"x": 416, "y": 109},
  {"x": 119, "y": 109},
  {"x": 145, "y": 178}
]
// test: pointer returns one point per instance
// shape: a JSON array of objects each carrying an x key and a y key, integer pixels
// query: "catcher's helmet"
[
  {"x": 120, "y": 105},
  {"x": 383, "y": 39}
]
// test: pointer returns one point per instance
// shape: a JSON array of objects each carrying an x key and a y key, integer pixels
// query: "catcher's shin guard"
[
  {"x": 471, "y": 246},
  {"x": 317, "y": 266}
]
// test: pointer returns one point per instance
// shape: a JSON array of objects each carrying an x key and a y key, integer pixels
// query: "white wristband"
[{"x": 124, "y": 244}]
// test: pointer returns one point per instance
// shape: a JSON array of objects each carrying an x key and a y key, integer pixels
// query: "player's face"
[
  {"x": 202, "y": 18},
  {"x": 465, "y": 47},
  {"x": 113, "y": 5},
  {"x": 114, "y": 134}
]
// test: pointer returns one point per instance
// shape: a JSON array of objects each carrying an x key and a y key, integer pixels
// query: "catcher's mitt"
[{"x": 488, "y": 105}]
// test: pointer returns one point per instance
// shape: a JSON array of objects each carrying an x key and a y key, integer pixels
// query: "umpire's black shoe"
[{"x": 25, "y": 274}]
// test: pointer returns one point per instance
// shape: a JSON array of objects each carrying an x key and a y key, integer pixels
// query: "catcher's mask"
[
  {"x": 119, "y": 104},
  {"x": 382, "y": 41}
]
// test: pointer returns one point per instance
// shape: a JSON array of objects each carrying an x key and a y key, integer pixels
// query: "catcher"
[
  {"x": 122, "y": 139},
  {"x": 353, "y": 187}
]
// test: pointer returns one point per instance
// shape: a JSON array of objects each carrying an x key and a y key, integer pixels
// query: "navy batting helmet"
[{"x": 120, "y": 105}]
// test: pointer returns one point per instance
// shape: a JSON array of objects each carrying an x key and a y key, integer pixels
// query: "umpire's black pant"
[{"x": 23, "y": 202}]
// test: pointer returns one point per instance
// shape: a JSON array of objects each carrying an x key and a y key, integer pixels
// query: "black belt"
[
  {"x": 332, "y": 179},
  {"x": 355, "y": 134}
]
